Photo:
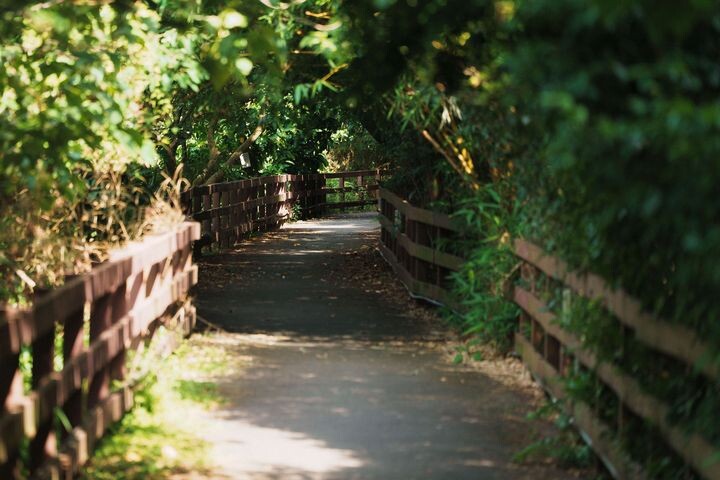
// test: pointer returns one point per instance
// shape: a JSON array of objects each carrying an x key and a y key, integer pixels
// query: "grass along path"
[
  {"x": 327, "y": 371},
  {"x": 162, "y": 438}
]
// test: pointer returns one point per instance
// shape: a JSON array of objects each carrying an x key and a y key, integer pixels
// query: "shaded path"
[{"x": 340, "y": 383}]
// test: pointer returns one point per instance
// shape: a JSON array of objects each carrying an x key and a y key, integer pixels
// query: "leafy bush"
[
  {"x": 97, "y": 100},
  {"x": 482, "y": 283},
  {"x": 626, "y": 182},
  {"x": 596, "y": 124},
  {"x": 351, "y": 147}
]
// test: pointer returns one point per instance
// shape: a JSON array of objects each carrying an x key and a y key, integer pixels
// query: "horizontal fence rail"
[
  {"x": 410, "y": 241},
  {"x": 95, "y": 319},
  {"x": 230, "y": 210},
  {"x": 549, "y": 350}
]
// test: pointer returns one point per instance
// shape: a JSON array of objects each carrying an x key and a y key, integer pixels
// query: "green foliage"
[
  {"x": 642, "y": 441},
  {"x": 595, "y": 122},
  {"x": 564, "y": 446},
  {"x": 589, "y": 126},
  {"x": 481, "y": 284},
  {"x": 626, "y": 182},
  {"x": 200, "y": 392},
  {"x": 623, "y": 183},
  {"x": 297, "y": 137},
  {"x": 99, "y": 101},
  {"x": 161, "y": 437},
  {"x": 351, "y": 147},
  {"x": 84, "y": 92}
]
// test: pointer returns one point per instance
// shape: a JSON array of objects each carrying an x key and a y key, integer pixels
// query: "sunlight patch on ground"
[
  {"x": 159, "y": 439},
  {"x": 319, "y": 226},
  {"x": 294, "y": 253},
  {"x": 480, "y": 463},
  {"x": 261, "y": 338},
  {"x": 244, "y": 450}
]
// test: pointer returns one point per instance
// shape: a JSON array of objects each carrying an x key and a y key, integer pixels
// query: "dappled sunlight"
[
  {"x": 160, "y": 438},
  {"x": 323, "y": 231},
  {"x": 324, "y": 227},
  {"x": 244, "y": 450},
  {"x": 483, "y": 463},
  {"x": 340, "y": 383},
  {"x": 350, "y": 342},
  {"x": 294, "y": 253},
  {"x": 359, "y": 239},
  {"x": 261, "y": 338}
]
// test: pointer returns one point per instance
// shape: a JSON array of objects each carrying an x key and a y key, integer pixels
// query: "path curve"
[{"x": 341, "y": 383}]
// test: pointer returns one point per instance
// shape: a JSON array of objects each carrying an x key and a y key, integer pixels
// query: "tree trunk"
[{"x": 212, "y": 172}]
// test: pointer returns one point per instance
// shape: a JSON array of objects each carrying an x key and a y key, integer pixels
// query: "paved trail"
[{"x": 339, "y": 383}]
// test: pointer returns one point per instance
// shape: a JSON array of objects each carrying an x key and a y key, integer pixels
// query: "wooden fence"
[
  {"x": 95, "y": 319},
  {"x": 549, "y": 351},
  {"x": 228, "y": 211},
  {"x": 411, "y": 240}
]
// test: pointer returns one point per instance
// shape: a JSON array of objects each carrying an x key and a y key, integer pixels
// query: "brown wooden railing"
[
  {"x": 549, "y": 351},
  {"x": 410, "y": 242},
  {"x": 228, "y": 211},
  {"x": 96, "y": 318}
]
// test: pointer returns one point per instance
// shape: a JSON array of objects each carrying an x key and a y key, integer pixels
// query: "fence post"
[
  {"x": 316, "y": 195},
  {"x": 302, "y": 191},
  {"x": 246, "y": 215},
  {"x": 100, "y": 320},
  {"x": 262, "y": 207},
  {"x": 44, "y": 444},
  {"x": 279, "y": 204},
  {"x": 206, "y": 224},
  {"x": 254, "y": 212},
  {"x": 232, "y": 217},
  {"x": 11, "y": 392},
  {"x": 341, "y": 184},
  {"x": 224, "y": 220},
  {"x": 283, "y": 204},
  {"x": 215, "y": 221},
  {"x": 378, "y": 177},
  {"x": 309, "y": 196},
  {"x": 323, "y": 196},
  {"x": 72, "y": 347},
  {"x": 118, "y": 368}
]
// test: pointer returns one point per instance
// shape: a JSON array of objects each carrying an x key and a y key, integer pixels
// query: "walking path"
[{"x": 340, "y": 382}]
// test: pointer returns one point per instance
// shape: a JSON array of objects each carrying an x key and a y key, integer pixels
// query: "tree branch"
[
  {"x": 467, "y": 178},
  {"x": 214, "y": 153},
  {"x": 212, "y": 172},
  {"x": 237, "y": 153}
]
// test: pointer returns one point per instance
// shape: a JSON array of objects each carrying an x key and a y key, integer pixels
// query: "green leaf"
[
  {"x": 232, "y": 19},
  {"x": 244, "y": 65}
]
